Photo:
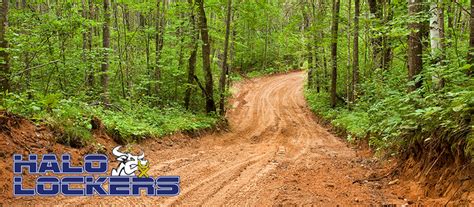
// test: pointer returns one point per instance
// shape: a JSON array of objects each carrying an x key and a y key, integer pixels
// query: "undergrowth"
[
  {"x": 71, "y": 118},
  {"x": 267, "y": 71},
  {"x": 401, "y": 120}
]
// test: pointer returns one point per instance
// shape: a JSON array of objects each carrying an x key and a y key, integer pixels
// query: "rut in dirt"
[{"x": 274, "y": 153}]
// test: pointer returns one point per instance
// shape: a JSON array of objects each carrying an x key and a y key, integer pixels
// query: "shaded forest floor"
[{"x": 274, "y": 152}]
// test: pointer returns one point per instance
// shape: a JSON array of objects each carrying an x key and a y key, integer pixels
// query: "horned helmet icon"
[{"x": 129, "y": 164}]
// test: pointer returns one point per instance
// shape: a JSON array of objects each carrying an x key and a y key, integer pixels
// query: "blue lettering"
[
  {"x": 100, "y": 159},
  {"x": 119, "y": 186},
  {"x": 18, "y": 163},
  {"x": 18, "y": 189},
  {"x": 65, "y": 184},
  {"x": 49, "y": 163},
  {"x": 67, "y": 168},
  {"x": 41, "y": 188},
  {"x": 167, "y": 186},
  {"x": 95, "y": 186},
  {"x": 143, "y": 183}
]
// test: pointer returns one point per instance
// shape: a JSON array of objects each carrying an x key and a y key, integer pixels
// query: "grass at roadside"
[
  {"x": 127, "y": 122},
  {"x": 400, "y": 121}
]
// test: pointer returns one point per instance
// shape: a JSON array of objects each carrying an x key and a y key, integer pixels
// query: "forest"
[
  {"x": 146, "y": 68},
  {"x": 398, "y": 74}
]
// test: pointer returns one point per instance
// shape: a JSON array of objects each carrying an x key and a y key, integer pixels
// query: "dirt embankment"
[{"x": 273, "y": 154}]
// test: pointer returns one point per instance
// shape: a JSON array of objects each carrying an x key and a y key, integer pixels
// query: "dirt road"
[{"x": 274, "y": 153}]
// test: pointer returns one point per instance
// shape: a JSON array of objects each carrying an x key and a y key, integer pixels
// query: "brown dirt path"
[{"x": 274, "y": 153}]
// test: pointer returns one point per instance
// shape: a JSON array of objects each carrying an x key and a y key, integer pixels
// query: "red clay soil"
[{"x": 274, "y": 153}]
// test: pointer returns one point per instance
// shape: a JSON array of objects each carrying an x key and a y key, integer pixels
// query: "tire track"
[{"x": 274, "y": 154}]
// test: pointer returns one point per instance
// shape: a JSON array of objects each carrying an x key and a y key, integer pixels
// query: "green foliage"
[
  {"x": 137, "y": 122},
  {"x": 356, "y": 123},
  {"x": 48, "y": 55},
  {"x": 71, "y": 119},
  {"x": 266, "y": 71},
  {"x": 52, "y": 67},
  {"x": 394, "y": 119}
]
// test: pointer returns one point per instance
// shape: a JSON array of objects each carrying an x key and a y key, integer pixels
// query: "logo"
[
  {"x": 129, "y": 178},
  {"x": 129, "y": 164}
]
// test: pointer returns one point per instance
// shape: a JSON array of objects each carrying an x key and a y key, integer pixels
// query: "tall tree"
[
  {"x": 206, "y": 61},
  {"x": 415, "y": 47},
  {"x": 4, "y": 56},
  {"x": 84, "y": 33},
  {"x": 308, "y": 40},
  {"x": 355, "y": 59},
  {"x": 224, "y": 73},
  {"x": 386, "y": 44},
  {"x": 349, "y": 58},
  {"x": 90, "y": 76},
  {"x": 192, "y": 56},
  {"x": 106, "y": 46},
  {"x": 119, "y": 48},
  {"x": 334, "y": 30},
  {"x": 159, "y": 26},
  {"x": 434, "y": 30},
  {"x": 470, "y": 56},
  {"x": 437, "y": 39},
  {"x": 317, "y": 65},
  {"x": 376, "y": 41}
]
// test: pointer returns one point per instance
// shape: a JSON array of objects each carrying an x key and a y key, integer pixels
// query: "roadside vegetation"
[
  {"x": 396, "y": 74},
  {"x": 74, "y": 119},
  {"x": 143, "y": 69}
]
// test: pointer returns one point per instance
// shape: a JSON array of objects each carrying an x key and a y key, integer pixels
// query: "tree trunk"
[
  {"x": 449, "y": 13},
  {"x": 434, "y": 31},
  {"x": 376, "y": 16},
  {"x": 192, "y": 57},
  {"x": 180, "y": 33},
  {"x": 310, "y": 63},
  {"x": 317, "y": 65},
  {"x": 4, "y": 56},
  {"x": 325, "y": 68},
  {"x": 90, "y": 32},
  {"x": 126, "y": 76},
  {"x": 159, "y": 42},
  {"x": 224, "y": 72},
  {"x": 349, "y": 60},
  {"x": 265, "y": 48},
  {"x": 355, "y": 59},
  {"x": 442, "y": 33},
  {"x": 442, "y": 40},
  {"x": 106, "y": 45},
  {"x": 231, "y": 52},
  {"x": 309, "y": 47},
  {"x": 386, "y": 47},
  {"x": 470, "y": 56},
  {"x": 334, "y": 30},
  {"x": 437, "y": 52},
  {"x": 415, "y": 63},
  {"x": 84, "y": 33},
  {"x": 206, "y": 62},
  {"x": 119, "y": 48}
]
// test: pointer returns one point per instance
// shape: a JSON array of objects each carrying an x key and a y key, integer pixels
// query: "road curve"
[{"x": 274, "y": 153}]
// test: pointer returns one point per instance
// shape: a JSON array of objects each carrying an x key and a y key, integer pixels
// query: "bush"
[
  {"x": 396, "y": 119},
  {"x": 127, "y": 123}
]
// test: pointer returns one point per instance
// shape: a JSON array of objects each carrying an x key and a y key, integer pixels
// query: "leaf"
[
  {"x": 36, "y": 108},
  {"x": 459, "y": 108}
]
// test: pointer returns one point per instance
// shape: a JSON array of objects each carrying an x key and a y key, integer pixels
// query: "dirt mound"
[
  {"x": 432, "y": 184},
  {"x": 21, "y": 136}
]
